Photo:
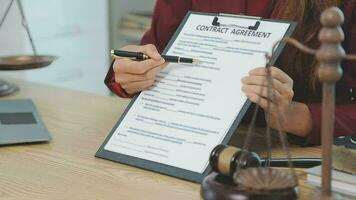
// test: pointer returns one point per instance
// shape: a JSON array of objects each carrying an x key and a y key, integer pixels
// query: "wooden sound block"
[
  {"x": 217, "y": 187},
  {"x": 344, "y": 159}
]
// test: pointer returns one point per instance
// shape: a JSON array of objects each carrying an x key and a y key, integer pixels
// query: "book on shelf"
[
  {"x": 142, "y": 18},
  {"x": 134, "y": 25},
  {"x": 342, "y": 183}
]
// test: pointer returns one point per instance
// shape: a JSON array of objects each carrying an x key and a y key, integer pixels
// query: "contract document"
[{"x": 173, "y": 126}]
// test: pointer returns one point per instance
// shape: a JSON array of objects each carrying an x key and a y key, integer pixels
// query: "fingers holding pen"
[
  {"x": 126, "y": 65},
  {"x": 134, "y": 87},
  {"x": 151, "y": 51},
  {"x": 125, "y": 78},
  {"x": 148, "y": 49},
  {"x": 133, "y": 83},
  {"x": 135, "y": 76}
]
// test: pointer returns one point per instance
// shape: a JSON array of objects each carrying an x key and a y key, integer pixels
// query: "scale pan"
[{"x": 21, "y": 62}]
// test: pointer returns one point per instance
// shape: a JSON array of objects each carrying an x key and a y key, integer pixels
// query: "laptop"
[{"x": 21, "y": 123}]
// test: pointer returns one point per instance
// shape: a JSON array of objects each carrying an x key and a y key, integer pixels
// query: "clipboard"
[{"x": 171, "y": 170}]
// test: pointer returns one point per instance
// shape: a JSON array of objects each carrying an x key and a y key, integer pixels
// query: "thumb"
[{"x": 151, "y": 51}]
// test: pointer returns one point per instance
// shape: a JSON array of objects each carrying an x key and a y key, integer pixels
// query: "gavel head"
[{"x": 226, "y": 160}]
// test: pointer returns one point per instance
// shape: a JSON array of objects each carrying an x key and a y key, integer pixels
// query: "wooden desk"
[{"x": 65, "y": 168}]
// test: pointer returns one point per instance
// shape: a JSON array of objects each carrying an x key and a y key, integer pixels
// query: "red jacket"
[{"x": 169, "y": 13}]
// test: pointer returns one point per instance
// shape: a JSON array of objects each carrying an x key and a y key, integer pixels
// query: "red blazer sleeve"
[
  {"x": 166, "y": 18},
  {"x": 345, "y": 114},
  {"x": 345, "y": 122},
  {"x": 112, "y": 85}
]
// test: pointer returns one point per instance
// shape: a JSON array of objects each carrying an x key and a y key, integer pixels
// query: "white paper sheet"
[{"x": 190, "y": 108}]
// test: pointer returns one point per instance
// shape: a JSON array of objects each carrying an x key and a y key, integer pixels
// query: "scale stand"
[
  {"x": 20, "y": 62},
  {"x": 7, "y": 88}
]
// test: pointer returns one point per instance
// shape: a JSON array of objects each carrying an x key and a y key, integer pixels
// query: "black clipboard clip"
[{"x": 254, "y": 27}]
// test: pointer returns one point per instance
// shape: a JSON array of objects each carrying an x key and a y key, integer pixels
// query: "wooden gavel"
[{"x": 226, "y": 160}]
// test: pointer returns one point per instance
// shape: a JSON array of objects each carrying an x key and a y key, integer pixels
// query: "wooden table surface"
[{"x": 65, "y": 168}]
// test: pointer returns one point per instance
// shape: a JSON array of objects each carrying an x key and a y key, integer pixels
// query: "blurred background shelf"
[
  {"x": 135, "y": 13},
  {"x": 133, "y": 26}
]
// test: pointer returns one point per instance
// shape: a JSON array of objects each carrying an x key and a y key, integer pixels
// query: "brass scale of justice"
[
  {"x": 20, "y": 62},
  {"x": 238, "y": 173}
]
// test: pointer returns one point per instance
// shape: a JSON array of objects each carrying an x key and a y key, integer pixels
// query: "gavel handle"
[{"x": 297, "y": 162}]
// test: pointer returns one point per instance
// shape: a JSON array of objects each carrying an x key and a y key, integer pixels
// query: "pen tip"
[
  {"x": 112, "y": 51},
  {"x": 196, "y": 62}
]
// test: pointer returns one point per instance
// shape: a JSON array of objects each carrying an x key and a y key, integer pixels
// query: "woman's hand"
[
  {"x": 281, "y": 94},
  {"x": 135, "y": 76},
  {"x": 296, "y": 117}
]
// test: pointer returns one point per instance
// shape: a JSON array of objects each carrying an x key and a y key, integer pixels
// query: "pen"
[{"x": 142, "y": 56}]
